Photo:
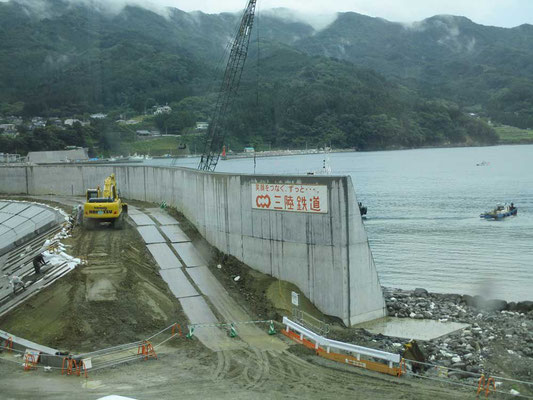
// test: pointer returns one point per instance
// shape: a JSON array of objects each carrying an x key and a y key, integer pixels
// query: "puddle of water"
[
  {"x": 92, "y": 384},
  {"x": 407, "y": 328}
]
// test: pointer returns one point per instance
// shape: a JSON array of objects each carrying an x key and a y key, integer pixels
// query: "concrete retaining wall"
[{"x": 326, "y": 255}]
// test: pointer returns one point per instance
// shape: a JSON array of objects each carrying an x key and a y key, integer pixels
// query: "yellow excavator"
[{"x": 104, "y": 206}]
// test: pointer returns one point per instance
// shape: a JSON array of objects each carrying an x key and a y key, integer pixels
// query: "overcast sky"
[{"x": 507, "y": 13}]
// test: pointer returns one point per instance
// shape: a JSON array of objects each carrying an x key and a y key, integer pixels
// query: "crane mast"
[{"x": 214, "y": 138}]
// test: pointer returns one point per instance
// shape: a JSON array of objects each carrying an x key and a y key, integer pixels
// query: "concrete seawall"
[{"x": 326, "y": 253}]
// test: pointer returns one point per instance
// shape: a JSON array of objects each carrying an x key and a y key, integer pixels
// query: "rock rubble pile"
[{"x": 498, "y": 329}]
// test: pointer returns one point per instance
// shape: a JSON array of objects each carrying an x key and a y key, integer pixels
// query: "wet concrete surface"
[
  {"x": 133, "y": 211},
  {"x": 230, "y": 311},
  {"x": 174, "y": 233},
  {"x": 189, "y": 254},
  {"x": 214, "y": 338},
  {"x": 164, "y": 256},
  {"x": 420, "y": 329},
  {"x": 162, "y": 217},
  {"x": 141, "y": 219},
  {"x": 178, "y": 283},
  {"x": 150, "y": 234}
]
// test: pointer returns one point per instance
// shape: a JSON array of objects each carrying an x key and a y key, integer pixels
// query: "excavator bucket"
[{"x": 413, "y": 353}]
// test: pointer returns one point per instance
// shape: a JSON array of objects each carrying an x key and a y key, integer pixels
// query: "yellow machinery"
[{"x": 104, "y": 206}]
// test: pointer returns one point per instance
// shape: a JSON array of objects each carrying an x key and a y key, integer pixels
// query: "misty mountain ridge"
[{"x": 64, "y": 57}]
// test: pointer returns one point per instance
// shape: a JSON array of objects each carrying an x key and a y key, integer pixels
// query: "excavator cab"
[{"x": 92, "y": 194}]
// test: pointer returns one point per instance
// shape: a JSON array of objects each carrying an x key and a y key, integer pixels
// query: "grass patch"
[
  {"x": 154, "y": 147},
  {"x": 511, "y": 134}
]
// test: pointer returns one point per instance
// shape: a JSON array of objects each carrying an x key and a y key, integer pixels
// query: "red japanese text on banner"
[{"x": 290, "y": 197}]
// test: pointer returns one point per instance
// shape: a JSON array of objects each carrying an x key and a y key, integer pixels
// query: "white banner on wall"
[{"x": 290, "y": 197}]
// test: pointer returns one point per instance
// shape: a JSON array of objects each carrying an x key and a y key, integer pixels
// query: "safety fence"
[
  {"x": 311, "y": 322},
  {"x": 81, "y": 364},
  {"x": 485, "y": 384},
  {"x": 388, "y": 363},
  {"x": 231, "y": 327}
]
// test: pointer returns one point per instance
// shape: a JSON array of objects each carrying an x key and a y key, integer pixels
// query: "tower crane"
[{"x": 214, "y": 138}]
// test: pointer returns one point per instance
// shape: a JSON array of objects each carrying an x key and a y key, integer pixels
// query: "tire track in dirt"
[{"x": 257, "y": 372}]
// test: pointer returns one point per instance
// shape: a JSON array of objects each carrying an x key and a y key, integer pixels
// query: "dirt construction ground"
[{"x": 119, "y": 297}]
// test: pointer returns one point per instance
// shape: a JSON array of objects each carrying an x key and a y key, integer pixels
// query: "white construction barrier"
[{"x": 334, "y": 344}]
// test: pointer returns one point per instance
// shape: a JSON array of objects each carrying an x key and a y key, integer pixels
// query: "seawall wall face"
[{"x": 326, "y": 254}]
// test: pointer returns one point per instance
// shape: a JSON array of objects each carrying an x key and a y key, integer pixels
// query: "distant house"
[
  {"x": 9, "y": 158},
  {"x": 51, "y": 157},
  {"x": 98, "y": 116},
  {"x": 127, "y": 122},
  {"x": 202, "y": 126},
  {"x": 249, "y": 150},
  {"x": 14, "y": 120},
  {"x": 8, "y": 128},
  {"x": 37, "y": 122},
  {"x": 55, "y": 121},
  {"x": 71, "y": 121},
  {"x": 162, "y": 110}
]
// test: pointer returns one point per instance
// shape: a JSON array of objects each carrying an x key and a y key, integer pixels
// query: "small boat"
[
  {"x": 483, "y": 164},
  {"x": 500, "y": 212}
]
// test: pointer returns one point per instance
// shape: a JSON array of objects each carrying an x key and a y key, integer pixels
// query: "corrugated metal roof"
[{"x": 22, "y": 219}]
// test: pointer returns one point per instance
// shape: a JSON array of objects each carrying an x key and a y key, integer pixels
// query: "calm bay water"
[{"x": 423, "y": 214}]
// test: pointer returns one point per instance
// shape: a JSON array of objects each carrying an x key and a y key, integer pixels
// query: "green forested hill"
[
  {"x": 486, "y": 68},
  {"x": 360, "y": 82},
  {"x": 306, "y": 100},
  {"x": 75, "y": 59}
]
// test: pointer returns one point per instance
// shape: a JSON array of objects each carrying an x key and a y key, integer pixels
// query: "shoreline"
[
  {"x": 497, "y": 342},
  {"x": 473, "y": 300},
  {"x": 296, "y": 152}
]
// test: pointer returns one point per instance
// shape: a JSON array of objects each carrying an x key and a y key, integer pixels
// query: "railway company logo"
[{"x": 263, "y": 201}]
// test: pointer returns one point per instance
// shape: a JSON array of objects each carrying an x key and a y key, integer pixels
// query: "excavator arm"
[{"x": 215, "y": 135}]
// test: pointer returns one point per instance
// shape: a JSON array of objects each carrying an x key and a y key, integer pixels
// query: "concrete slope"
[
  {"x": 212, "y": 337},
  {"x": 164, "y": 257},
  {"x": 174, "y": 233},
  {"x": 188, "y": 254},
  {"x": 231, "y": 311},
  {"x": 178, "y": 283},
  {"x": 195, "y": 307}
]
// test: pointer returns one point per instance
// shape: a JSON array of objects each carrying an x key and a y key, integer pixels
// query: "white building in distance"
[
  {"x": 202, "y": 126},
  {"x": 162, "y": 110}
]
